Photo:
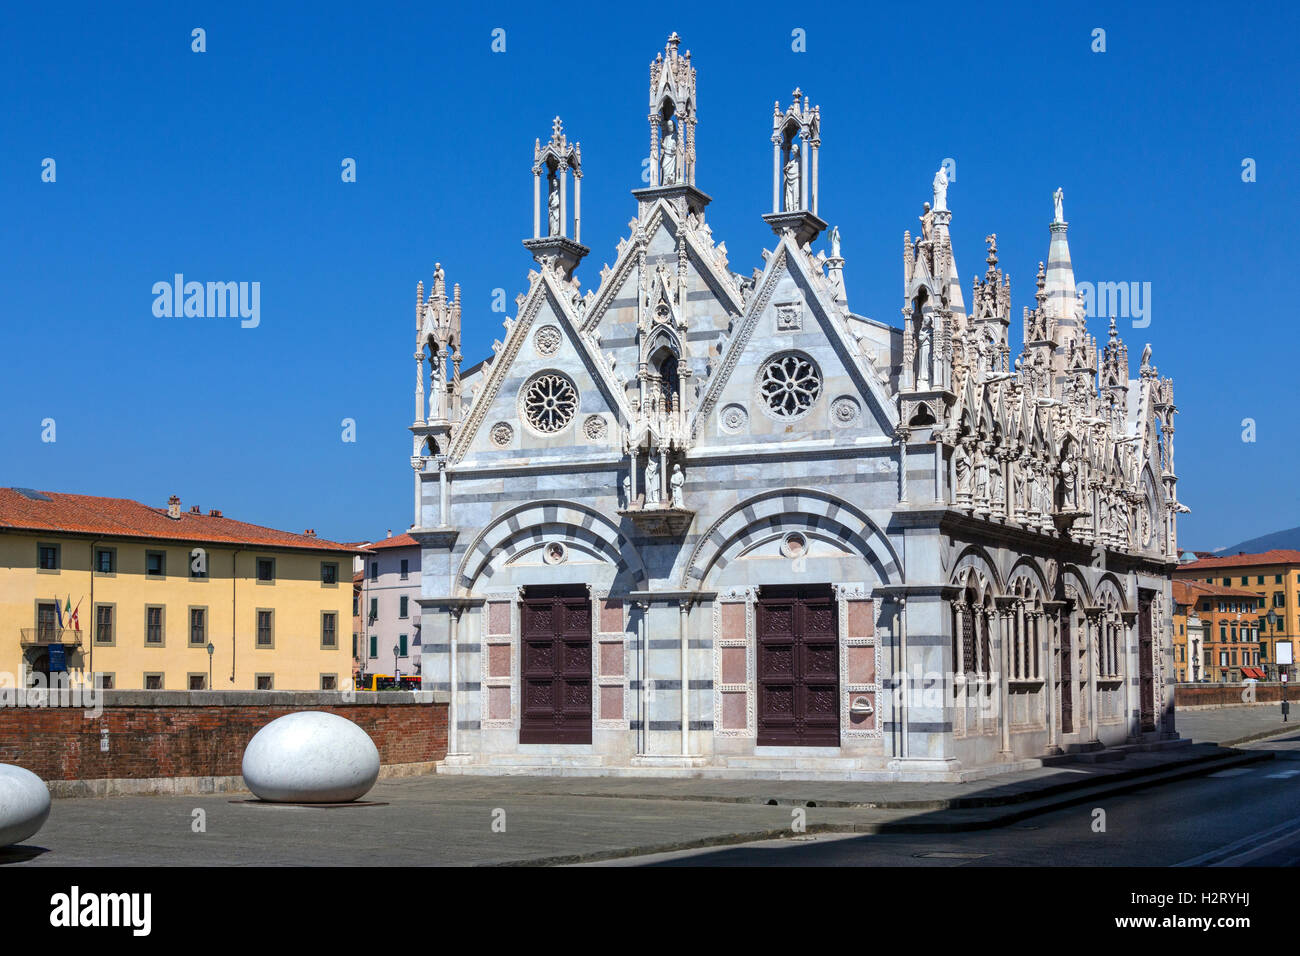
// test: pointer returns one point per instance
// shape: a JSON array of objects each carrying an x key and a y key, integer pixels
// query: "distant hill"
[{"x": 1289, "y": 539}]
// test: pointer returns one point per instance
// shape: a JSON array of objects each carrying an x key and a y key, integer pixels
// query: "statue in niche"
[
  {"x": 651, "y": 480},
  {"x": 627, "y": 492},
  {"x": 553, "y": 205},
  {"x": 924, "y": 339},
  {"x": 1035, "y": 491},
  {"x": 1069, "y": 490},
  {"x": 1058, "y": 200},
  {"x": 668, "y": 156},
  {"x": 835, "y": 242},
  {"x": 675, "y": 483},
  {"x": 997, "y": 488},
  {"x": 792, "y": 201},
  {"x": 941, "y": 190},
  {"x": 981, "y": 475},
  {"x": 1018, "y": 482},
  {"x": 961, "y": 463}
]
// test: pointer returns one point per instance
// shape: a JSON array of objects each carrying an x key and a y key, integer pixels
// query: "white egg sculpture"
[
  {"x": 24, "y": 804},
  {"x": 311, "y": 757}
]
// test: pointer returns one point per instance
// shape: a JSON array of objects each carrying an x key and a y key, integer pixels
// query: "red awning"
[{"x": 1254, "y": 672}]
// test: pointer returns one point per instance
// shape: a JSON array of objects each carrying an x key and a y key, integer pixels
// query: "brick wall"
[
  {"x": 201, "y": 734},
  {"x": 1229, "y": 695}
]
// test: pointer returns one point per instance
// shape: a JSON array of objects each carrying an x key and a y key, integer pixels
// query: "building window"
[
  {"x": 155, "y": 564},
  {"x": 329, "y": 634},
  {"x": 355, "y": 639},
  {"x": 1227, "y": 582},
  {"x": 1223, "y": 632},
  {"x": 103, "y": 623},
  {"x": 198, "y": 682},
  {"x": 403, "y": 606},
  {"x": 329, "y": 572},
  {"x": 47, "y": 557},
  {"x": 198, "y": 626},
  {"x": 405, "y": 568},
  {"x": 374, "y": 609},
  {"x": 153, "y": 682},
  {"x": 401, "y": 645},
  {"x": 374, "y": 570},
  {"x": 266, "y": 570},
  {"x": 1259, "y": 579},
  {"x": 105, "y": 681},
  {"x": 1223, "y": 658},
  {"x": 329, "y": 682},
  {"x": 1277, "y": 579},
  {"x": 374, "y": 646},
  {"x": 265, "y": 682},
  {"x": 265, "y": 631},
  {"x": 153, "y": 625},
  {"x": 1279, "y": 599},
  {"x": 356, "y": 604},
  {"x": 105, "y": 560}
]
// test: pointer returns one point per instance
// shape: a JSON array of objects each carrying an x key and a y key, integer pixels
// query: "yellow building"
[
  {"x": 111, "y": 586},
  {"x": 1273, "y": 576}
]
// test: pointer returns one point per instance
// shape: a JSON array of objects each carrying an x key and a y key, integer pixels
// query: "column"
[
  {"x": 419, "y": 387},
  {"x": 654, "y": 149},
  {"x": 1129, "y": 618},
  {"x": 776, "y": 175},
  {"x": 803, "y": 174},
  {"x": 960, "y": 611},
  {"x": 453, "y": 711},
  {"x": 664, "y": 500},
  {"x": 1049, "y": 677},
  {"x": 642, "y": 668},
  {"x": 564, "y": 199},
  {"x": 1093, "y": 628},
  {"x": 1004, "y": 617},
  {"x": 814, "y": 179},
  {"x": 418, "y": 466},
  {"x": 683, "y": 630},
  {"x": 577, "y": 205},
  {"x": 537, "y": 203},
  {"x": 442, "y": 491},
  {"x": 903, "y": 434}
]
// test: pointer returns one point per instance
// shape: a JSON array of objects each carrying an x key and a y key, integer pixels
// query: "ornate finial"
[
  {"x": 992, "y": 240},
  {"x": 798, "y": 95},
  {"x": 672, "y": 43},
  {"x": 1113, "y": 333},
  {"x": 557, "y": 129},
  {"x": 1042, "y": 276}
]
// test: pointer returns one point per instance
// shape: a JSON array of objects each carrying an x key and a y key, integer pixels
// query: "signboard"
[
  {"x": 58, "y": 659},
  {"x": 1284, "y": 655}
]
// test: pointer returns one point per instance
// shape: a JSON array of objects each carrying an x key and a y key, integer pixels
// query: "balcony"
[{"x": 44, "y": 636}]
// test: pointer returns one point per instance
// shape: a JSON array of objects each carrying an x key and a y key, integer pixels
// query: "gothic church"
[{"x": 698, "y": 522}]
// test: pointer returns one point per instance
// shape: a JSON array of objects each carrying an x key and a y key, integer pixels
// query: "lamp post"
[
  {"x": 1272, "y": 626},
  {"x": 211, "y": 648},
  {"x": 397, "y": 671}
]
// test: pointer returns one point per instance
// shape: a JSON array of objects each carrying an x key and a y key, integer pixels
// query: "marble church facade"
[{"x": 693, "y": 521}]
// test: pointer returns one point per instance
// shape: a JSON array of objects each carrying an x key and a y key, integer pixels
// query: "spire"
[
  {"x": 552, "y": 164},
  {"x": 796, "y": 145},
  {"x": 1061, "y": 302}
]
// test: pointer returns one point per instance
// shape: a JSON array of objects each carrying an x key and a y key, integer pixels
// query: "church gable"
[
  {"x": 546, "y": 391},
  {"x": 790, "y": 370}
]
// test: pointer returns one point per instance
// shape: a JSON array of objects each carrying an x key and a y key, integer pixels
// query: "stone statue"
[
  {"x": 997, "y": 487},
  {"x": 981, "y": 476},
  {"x": 627, "y": 491},
  {"x": 1058, "y": 199},
  {"x": 675, "y": 483},
  {"x": 941, "y": 190},
  {"x": 835, "y": 242},
  {"x": 1018, "y": 483},
  {"x": 961, "y": 463},
  {"x": 668, "y": 158},
  {"x": 1035, "y": 491},
  {"x": 651, "y": 481},
  {"x": 1146, "y": 356},
  {"x": 1069, "y": 493},
  {"x": 792, "y": 183},
  {"x": 927, "y": 222},
  {"x": 553, "y": 206},
  {"x": 923, "y": 350}
]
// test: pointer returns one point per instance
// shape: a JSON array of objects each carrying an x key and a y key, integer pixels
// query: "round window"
[
  {"x": 550, "y": 401},
  {"x": 789, "y": 385}
]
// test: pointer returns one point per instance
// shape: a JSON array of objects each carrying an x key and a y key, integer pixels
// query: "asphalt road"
[{"x": 1244, "y": 816}]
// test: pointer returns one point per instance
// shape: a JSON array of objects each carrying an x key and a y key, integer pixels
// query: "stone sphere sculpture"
[
  {"x": 310, "y": 757},
  {"x": 24, "y": 804}
]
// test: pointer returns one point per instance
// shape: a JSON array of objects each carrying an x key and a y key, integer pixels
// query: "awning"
[{"x": 1254, "y": 672}]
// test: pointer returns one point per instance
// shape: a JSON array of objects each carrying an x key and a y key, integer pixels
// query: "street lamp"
[
  {"x": 397, "y": 671},
  {"x": 211, "y": 648},
  {"x": 1272, "y": 626}
]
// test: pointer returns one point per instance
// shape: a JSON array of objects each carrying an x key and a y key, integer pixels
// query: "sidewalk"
[
  {"x": 1228, "y": 726},
  {"x": 459, "y": 820}
]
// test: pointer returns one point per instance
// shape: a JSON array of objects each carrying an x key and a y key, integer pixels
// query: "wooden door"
[
  {"x": 798, "y": 667},
  {"x": 555, "y": 666},
  {"x": 1146, "y": 663}
]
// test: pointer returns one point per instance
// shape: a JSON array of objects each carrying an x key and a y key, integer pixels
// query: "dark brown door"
[
  {"x": 1146, "y": 664},
  {"x": 555, "y": 670},
  {"x": 798, "y": 667},
  {"x": 1067, "y": 674}
]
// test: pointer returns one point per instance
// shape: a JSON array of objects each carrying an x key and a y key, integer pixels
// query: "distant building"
[
  {"x": 1226, "y": 622},
  {"x": 389, "y": 606},
  {"x": 1273, "y": 576},
  {"x": 92, "y": 585}
]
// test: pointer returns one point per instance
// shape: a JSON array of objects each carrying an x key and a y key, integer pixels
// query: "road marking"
[
  {"x": 1246, "y": 845},
  {"x": 1285, "y": 774}
]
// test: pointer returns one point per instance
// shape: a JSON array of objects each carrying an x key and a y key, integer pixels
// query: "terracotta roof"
[
  {"x": 397, "y": 541},
  {"x": 1189, "y": 592},
  {"x": 22, "y": 509},
  {"x": 1279, "y": 556}
]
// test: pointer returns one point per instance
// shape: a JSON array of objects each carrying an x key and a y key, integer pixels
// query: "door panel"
[
  {"x": 555, "y": 666},
  {"x": 798, "y": 667},
  {"x": 1146, "y": 664}
]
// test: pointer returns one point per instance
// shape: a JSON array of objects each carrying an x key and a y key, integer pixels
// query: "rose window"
[
  {"x": 550, "y": 402},
  {"x": 790, "y": 384}
]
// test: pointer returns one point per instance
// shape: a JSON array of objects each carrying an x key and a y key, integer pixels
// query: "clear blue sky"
[{"x": 225, "y": 166}]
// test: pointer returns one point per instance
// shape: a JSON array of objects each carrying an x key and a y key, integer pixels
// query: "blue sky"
[{"x": 225, "y": 165}]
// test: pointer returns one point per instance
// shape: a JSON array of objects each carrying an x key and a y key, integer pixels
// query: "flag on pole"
[
  {"x": 58, "y": 610},
  {"x": 73, "y": 620}
]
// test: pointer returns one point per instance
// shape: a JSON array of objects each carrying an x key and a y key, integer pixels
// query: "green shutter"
[
  {"x": 401, "y": 645},
  {"x": 374, "y": 646}
]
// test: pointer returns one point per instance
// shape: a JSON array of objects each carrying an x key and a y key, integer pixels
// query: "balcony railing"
[{"x": 49, "y": 635}]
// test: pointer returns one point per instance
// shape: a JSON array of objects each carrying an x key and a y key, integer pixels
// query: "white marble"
[
  {"x": 311, "y": 757},
  {"x": 24, "y": 804}
]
